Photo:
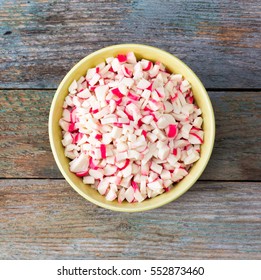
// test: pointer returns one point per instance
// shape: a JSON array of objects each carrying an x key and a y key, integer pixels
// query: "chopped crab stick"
[{"x": 130, "y": 128}]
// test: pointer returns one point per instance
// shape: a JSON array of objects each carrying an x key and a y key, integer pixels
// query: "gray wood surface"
[
  {"x": 42, "y": 219},
  {"x": 41, "y": 40},
  {"x": 24, "y": 126}
]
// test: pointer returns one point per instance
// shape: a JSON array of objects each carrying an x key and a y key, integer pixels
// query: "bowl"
[{"x": 174, "y": 65}]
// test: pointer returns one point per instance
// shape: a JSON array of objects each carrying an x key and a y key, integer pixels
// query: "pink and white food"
[{"x": 131, "y": 128}]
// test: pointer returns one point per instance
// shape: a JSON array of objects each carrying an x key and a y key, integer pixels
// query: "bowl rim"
[{"x": 120, "y": 207}]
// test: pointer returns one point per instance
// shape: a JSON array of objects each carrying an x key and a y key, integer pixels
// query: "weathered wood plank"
[
  {"x": 41, "y": 40},
  {"x": 25, "y": 151},
  {"x": 238, "y": 137},
  {"x": 42, "y": 219}
]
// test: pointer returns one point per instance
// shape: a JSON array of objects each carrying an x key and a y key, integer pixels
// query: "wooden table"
[{"x": 42, "y": 217}]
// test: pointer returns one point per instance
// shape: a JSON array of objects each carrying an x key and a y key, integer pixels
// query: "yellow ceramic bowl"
[{"x": 174, "y": 65}]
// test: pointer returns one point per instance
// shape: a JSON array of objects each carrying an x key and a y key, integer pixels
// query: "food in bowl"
[{"x": 131, "y": 128}]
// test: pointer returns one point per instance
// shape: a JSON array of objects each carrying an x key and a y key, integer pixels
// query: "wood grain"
[
  {"x": 25, "y": 151},
  {"x": 43, "y": 219},
  {"x": 41, "y": 40}
]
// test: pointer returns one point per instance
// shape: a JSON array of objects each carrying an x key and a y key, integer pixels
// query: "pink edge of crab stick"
[
  {"x": 122, "y": 58},
  {"x": 82, "y": 174},
  {"x": 103, "y": 151},
  {"x": 172, "y": 130},
  {"x": 195, "y": 135},
  {"x": 134, "y": 185},
  {"x": 117, "y": 92}
]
